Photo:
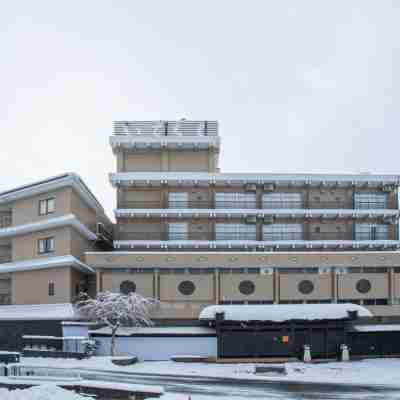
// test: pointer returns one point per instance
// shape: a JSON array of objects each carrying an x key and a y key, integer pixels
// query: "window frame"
[
  {"x": 46, "y": 209},
  {"x": 51, "y": 290},
  {"x": 48, "y": 245}
]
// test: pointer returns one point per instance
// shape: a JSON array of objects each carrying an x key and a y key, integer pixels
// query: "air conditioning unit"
[
  {"x": 389, "y": 220},
  {"x": 341, "y": 270},
  {"x": 324, "y": 270},
  {"x": 250, "y": 187},
  {"x": 269, "y": 219},
  {"x": 269, "y": 187},
  {"x": 251, "y": 219},
  {"x": 266, "y": 271},
  {"x": 388, "y": 188}
]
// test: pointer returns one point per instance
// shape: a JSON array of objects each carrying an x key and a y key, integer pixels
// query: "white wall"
[
  {"x": 76, "y": 330},
  {"x": 160, "y": 348}
]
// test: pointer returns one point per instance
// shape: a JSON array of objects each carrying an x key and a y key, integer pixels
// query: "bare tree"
[{"x": 116, "y": 310}]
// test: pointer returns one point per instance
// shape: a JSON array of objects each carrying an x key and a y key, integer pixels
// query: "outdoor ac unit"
[
  {"x": 252, "y": 219},
  {"x": 266, "y": 271},
  {"x": 388, "y": 188},
  {"x": 250, "y": 187},
  {"x": 324, "y": 270},
  {"x": 341, "y": 270},
  {"x": 269, "y": 219},
  {"x": 269, "y": 187}
]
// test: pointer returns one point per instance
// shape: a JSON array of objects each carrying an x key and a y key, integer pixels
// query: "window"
[
  {"x": 282, "y": 200},
  {"x": 46, "y": 245},
  {"x": 283, "y": 232},
  {"x": 235, "y": 200},
  {"x": 235, "y": 232},
  {"x": 178, "y": 231},
  {"x": 178, "y": 200},
  {"x": 247, "y": 287},
  {"x": 371, "y": 232},
  {"x": 51, "y": 288},
  {"x": 186, "y": 288},
  {"x": 47, "y": 206},
  {"x": 370, "y": 200},
  {"x": 127, "y": 287}
]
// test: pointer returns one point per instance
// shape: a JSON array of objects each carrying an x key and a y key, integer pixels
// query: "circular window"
[
  {"x": 127, "y": 287},
  {"x": 186, "y": 288},
  {"x": 247, "y": 287},
  {"x": 305, "y": 287},
  {"x": 363, "y": 286}
]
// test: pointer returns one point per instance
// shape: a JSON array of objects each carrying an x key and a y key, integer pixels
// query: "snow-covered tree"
[{"x": 116, "y": 310}]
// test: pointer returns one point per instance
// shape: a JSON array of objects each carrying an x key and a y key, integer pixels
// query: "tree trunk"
[{"x": 113, "y": 343}]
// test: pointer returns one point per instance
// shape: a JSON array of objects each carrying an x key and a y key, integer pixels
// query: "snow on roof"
[
  {"x": 33, "y": 312},
  {"x": 45, "y": 263},
  {"x": 167, "y": 331},
  {"x": 377, "y": 328},
  {"x": 65, "y": 220},
  {"x": 281, "y": 313}
]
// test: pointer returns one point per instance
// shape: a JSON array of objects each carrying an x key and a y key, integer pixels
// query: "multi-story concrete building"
[
  {"x": 190, "y": 235},
  {"x": 45, "y": 228}
]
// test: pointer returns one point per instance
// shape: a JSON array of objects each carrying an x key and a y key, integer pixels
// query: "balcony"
[
  {"x": 278, "y": 205},
  {"x": 250, "y": 236},
  {"x": 5, "y": 219}
]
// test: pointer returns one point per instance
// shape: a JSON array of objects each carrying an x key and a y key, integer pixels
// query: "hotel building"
[{"x": 191, "y": 236}]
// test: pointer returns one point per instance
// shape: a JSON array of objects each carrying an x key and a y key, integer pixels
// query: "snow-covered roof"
[
  {"x": 158, "y": 331},
  {"x": 46, "y": 263},
  {"x": 44, "y": 312},
  {"x": 281, "y": 313},
  {"x": 53, "y": 183},
  {"x": 50, "y": 223},
  {"x": 190, "y": 178},
  {"x": 377, "y": 328}
]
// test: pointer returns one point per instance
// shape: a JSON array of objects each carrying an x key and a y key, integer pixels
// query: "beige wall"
[
  {"x": 288, "y": 286},
  {"x": 144, "y": 282},
  {"x": 347, "y": 286},
  {"x": 188, "y": 161},
  {"x": 150, "y": 161},
  {"x": 264, "y": 287},
  {"x": 204, "y": 287},
  {"x": 27, "y": 210},
  {"x": 31, "y": 287},
  {"x": 83, "y": 212}
]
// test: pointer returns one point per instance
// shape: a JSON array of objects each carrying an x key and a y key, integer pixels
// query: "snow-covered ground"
[
  {"x": 366, "y": 372},
  {"x": 46, "y": 392}
]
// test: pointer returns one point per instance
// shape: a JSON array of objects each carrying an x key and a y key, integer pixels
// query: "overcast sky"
[{"x": 297, "y": 86}]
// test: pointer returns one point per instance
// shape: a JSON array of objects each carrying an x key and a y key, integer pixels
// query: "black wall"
[{"x": 11, "y": 332}]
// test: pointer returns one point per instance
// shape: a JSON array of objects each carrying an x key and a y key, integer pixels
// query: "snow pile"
[
  {"x": 280, "y": 313},
  {"x": 46, "y": 392}
]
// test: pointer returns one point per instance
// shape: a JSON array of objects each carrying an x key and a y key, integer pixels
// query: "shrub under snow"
[{"x": 45, "y": 392}]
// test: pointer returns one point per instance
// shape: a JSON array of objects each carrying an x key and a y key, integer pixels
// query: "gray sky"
[{"x": 298, "y": 86}]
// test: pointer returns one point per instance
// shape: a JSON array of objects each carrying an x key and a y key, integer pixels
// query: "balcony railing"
[
  {"x": 209, "y": 204},
  {"x": 267, "y": 236}
]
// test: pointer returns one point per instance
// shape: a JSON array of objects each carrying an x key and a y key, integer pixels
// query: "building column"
[
  {"x": 164, "y": 160},
  {"x": 99, "y": 283},
  {"x": 276, "y": 286},
  {"x": 392, "y": 294},
  {"x": 156, "y": 284},
  {"x": 217, "y": 286},
  {"x": 334, "y": 285}
]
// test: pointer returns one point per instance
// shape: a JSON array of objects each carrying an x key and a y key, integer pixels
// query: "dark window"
[
  {"x": 47, "y": 206},
  {"x": 363, "y": 286},
  {"x": 46, "y": 245},
  {"x": 127, "y": 287},
  {"x": 186, "y": 288},
  {"x": 51, "y": 288},
  {"x": 317, "y": 229},
  {"x": 247, "y": 287},
  {"x": 305, "y": 287}
]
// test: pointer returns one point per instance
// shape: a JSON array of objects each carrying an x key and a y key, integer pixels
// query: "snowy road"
[{"x": 179, "y": 388}]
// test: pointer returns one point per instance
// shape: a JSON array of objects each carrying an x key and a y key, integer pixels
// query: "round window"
[
  {"x": 247, "y": 287},
  {"x": 186, "y": 288},
  {"x": 363, "y": 286},
  {"x": 305, "y": 287},
  {"x": 127, "y": 287}
]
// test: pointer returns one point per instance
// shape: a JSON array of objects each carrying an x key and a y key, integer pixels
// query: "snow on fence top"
[{"x": 281, "y": 313}]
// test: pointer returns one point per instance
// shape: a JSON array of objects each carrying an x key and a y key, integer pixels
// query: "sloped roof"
[
  {"x": 44, "y": 312},
  {"x": 282, "y": 313}
]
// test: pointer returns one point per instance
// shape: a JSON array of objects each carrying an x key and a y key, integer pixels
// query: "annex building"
[{"x": 193, "y": 236}]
